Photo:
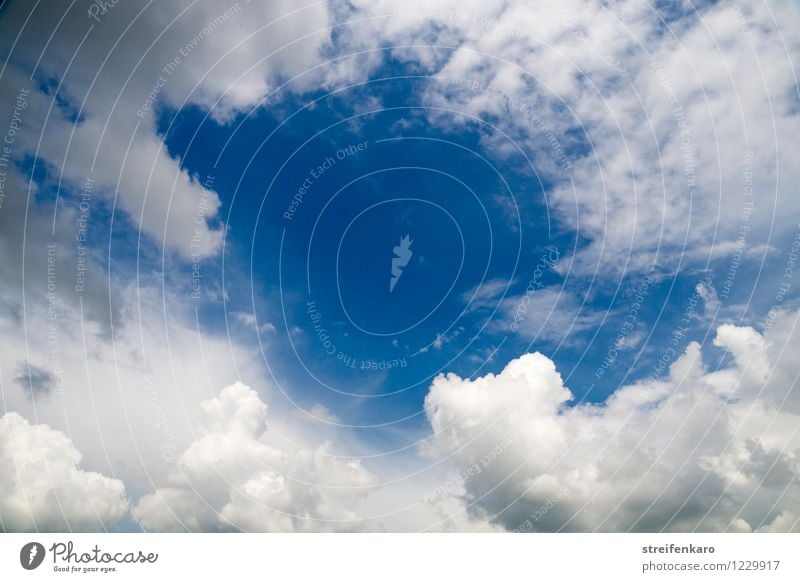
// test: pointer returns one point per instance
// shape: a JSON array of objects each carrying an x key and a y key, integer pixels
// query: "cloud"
[
  {"x": 322, "y": 413},
  {"x": 130, "y": 357},
  {"x": 249, "y": 320},
  {"x": 38, "y": 381},
  {"x": 116, "y": 71},
  {"x": 44, "y": 488},
  {"x": 707, "y": 450},
  {"x": 547, "y": 314},
  {"x": 485, "y": 295},
  {"x": 711, "y": 302},
  {"x": 597, "y": 115},
  {"x": 649, "y": 122},
  {"x": 122, "y": 352},
  {"x": 443, "y": 339},
  {"x": 40, "y": 262},
  {"x": 230, "y": 479}
]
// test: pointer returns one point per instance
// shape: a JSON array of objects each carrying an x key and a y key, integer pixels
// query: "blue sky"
[
  {"x": 363, "y": 246},
  {"x": 479, "y": 223}
]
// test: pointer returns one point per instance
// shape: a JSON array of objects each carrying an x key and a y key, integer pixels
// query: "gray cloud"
[{"x": 38, "y": 381}]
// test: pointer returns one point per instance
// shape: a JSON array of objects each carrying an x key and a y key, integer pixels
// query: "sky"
[{"x": 381, "y": 266}]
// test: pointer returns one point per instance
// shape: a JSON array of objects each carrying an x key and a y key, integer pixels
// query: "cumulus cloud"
[
  {"x": 230, "y": 479},
  {"x": 44, "y": 488},
  {"x": 644, "y": 151},
  {"x": 706, "y": 450}
]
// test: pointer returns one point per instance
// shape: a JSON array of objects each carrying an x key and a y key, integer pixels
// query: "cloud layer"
[
  {"x": 97, "y": 84},
  {"x": 655, "y": 126},
  {"x": 229, "y": 479},
  {"x": 662, "y": 136},
  {"x": 44, "y": 488},
  {"x": 700, "y": 450}
]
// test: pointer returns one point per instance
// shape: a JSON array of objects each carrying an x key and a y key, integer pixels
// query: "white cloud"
[
  {"x": 711, "y": 302},
  {"x": 222, "y": 58},
  {"x": 140, "y": 395},
  {"x": 323, "y": 413},
  {"x": 44, "y": 488},
  {"x": 629, "y": 341},
  {"x": 249, "y": 320},
  {"x": 26, "y": 230},
  {"x": 707, "y": 450},
  {"x": 655, "y": 128},
  {"x": 486, "y": 295},
  {"x": 723, "y": 442},
  {"x": 547, "y": 314},
  {"x": 121, "y": 356},
  {"x": 443, "y": 339},
  {"x": 230, "y": 479}
]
